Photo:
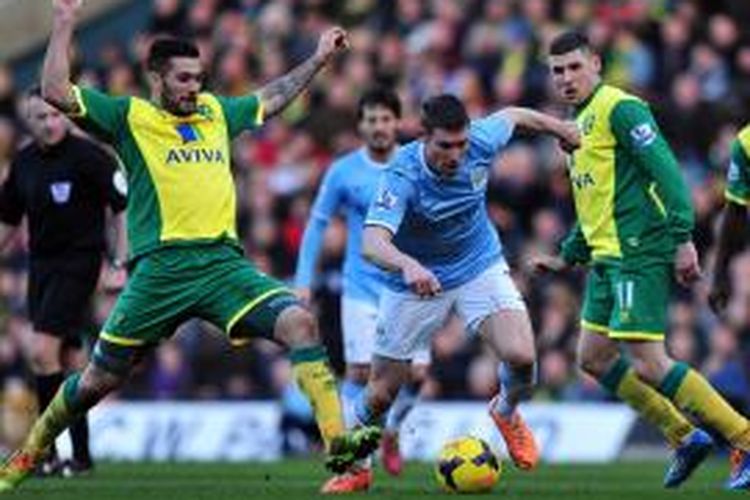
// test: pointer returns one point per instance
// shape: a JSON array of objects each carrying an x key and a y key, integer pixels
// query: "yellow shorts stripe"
[
  {"x": 114, "y": 339},
  {"x": 251, "y": 305},
  {"x": 594, "y": 327},
  {"x": 623, "y": 335}
]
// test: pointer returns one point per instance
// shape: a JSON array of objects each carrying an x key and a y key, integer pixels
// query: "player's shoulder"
[
  {"x": 407, "y": 161},
  {"x": 347, "y": 161}
]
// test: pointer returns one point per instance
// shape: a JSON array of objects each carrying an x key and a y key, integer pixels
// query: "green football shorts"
[
  {"x": 213, "y": 282},
  {"x": 627, "y": 301}
]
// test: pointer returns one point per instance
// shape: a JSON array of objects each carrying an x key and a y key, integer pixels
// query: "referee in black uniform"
[{"x": 63, "y": 184}]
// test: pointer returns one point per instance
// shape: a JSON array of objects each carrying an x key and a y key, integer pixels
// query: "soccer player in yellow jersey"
[
  {"x": 185, "y": 257},
  {"x": 634, "y": 234}
]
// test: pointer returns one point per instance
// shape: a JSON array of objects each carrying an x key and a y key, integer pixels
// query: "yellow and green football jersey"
[
  {"x": 738, "y": 175},
  {"x": 631, "y": 201},
  {"x": 180, "y": 186}
]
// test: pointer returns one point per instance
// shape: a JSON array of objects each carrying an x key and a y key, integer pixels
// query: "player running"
[
  {"x": 348, "y": 187},
  {"x": 634, "y": 234},
  {"x": 428, "y": 226},
  {"x": 186, "y": 260}
]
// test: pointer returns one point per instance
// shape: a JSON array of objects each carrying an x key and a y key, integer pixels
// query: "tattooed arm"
[{"x": 276, "y": 95}]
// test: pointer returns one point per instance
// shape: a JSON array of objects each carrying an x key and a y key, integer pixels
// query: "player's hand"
[
  {"x": 114, "y": 278},
  {"x": 66, "y": 8},
  {"x": 303, "y": 294},
  {"x": 421, "y": 280},
  {"x": 569, "y": 137},
  {"x": 331, "y": 42},
  {"x": 541, "y": 264},
  {"x": 718, "y": 297},
  {"x": 686, "y": 267}
]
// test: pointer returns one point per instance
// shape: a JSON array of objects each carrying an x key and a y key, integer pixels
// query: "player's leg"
[
  {"x": 599, "y": 356},
  {"x": 78, "y": 393},
  {"x": 405, "y": 400},
  {"x": 406, "y": 324},
  {"x": 492, "y": 306},
  {"x": 358, "y": 323},
  {"x": 639, "y": 319},
  {"x": 75, "y": 360},
  {"x": 45, "y": 364},
  {"x": 248, "y": 304},
  {"x": 125, "y": 337}
]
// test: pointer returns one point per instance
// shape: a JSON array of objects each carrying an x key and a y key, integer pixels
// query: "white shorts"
[
  {"x": 406, "y": 322},
  {"x": 359, "y": 319}
]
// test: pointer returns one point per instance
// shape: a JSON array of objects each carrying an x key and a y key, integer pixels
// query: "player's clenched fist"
[
  {"x": 331, "y": 42},
  {"x": 421, "y": 280},
  {"x": 66, "y": 8}
]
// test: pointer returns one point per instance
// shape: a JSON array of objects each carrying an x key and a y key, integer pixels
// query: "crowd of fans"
[{"x": 689, "y": 59}]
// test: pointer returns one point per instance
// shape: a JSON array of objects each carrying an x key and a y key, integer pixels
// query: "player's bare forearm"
[
  {"x": 731, "y": 241},
  {"x": 378, "y": 248},
  {"x": 277, "y": 95},
  {"x": 541, "y": 122},
  {"x": 56, "y": 86}
]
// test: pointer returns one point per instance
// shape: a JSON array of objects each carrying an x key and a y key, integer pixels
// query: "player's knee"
[
  {"x": 297, "y": 327},
  {"x": 592, "y": 364},
  {"x": 95, "y": 384},
  {"x": 358, "y": 373},
  {"x": 520, "y": 359},
  {"x": 381, "y": 397},
  {"x": 651, "y": 371},
  {"x": 419, "y": 373}
]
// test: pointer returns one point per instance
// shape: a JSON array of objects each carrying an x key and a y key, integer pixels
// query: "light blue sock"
[
  {"x": 363, "y": 414},
  {"x": 402, "y": 406},
  {"x": 516, "y": 383},
  {"x": 350, "y": 393}
]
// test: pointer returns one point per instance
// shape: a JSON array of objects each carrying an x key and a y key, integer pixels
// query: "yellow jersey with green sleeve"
[
  {"x": 630, "y": 198},
  {"x": 180, "y": 185},
  {"x": 738, "y": 175}
]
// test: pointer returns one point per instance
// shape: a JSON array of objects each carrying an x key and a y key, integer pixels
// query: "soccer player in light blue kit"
[
  {"x": 348, "y": 189},
  {"x": 428, "y": 226}
]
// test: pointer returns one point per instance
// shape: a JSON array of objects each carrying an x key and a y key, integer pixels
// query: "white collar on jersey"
[{"x": 374, "y": 164}]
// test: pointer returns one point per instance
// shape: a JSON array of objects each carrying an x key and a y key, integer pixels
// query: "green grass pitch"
[{"x": 300, "y": 479}]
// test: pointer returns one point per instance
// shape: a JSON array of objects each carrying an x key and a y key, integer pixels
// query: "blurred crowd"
[{"x": 689, "y": 59}]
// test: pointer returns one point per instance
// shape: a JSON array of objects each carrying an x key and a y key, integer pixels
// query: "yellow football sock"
[
  {"x": 657, "y": 410},
  {"x": 689, "y": 390},
  {"x": 316, "y": 380},
  {"x": 59, "y": 414}
]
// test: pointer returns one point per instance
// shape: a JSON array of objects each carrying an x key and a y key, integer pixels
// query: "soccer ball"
[{"x": 467, "y": 465}]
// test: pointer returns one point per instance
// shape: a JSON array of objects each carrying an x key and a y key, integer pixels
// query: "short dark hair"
[
  {"x": 568, "y": 42},
  {"x": 444, "y": 111},
  {"x": 379, "y": 96},
  {"x": 163, "y": 49}
]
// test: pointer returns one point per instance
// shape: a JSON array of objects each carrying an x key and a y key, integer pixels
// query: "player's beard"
[{"x": 185, "y": 106}]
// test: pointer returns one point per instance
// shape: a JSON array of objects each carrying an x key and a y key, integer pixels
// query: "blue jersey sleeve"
[
  {"x": 325, "y": 206},
  {"x": 494, "y": 130},
  {"x": 391, "y": 201}
]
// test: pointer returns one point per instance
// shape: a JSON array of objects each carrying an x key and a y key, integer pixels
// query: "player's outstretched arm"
[
  {"x": 566, "y": 131},
  {"x": 731, "y": 241},
  {"x": 276, "y": 95},
  {"x": 378, "y": 247},
  {"x": 56, "y": 86}
]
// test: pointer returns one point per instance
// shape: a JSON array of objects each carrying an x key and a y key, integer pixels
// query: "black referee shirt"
[{"x": 63, "y": 190}]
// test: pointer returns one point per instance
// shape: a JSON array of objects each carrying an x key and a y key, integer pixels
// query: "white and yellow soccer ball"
[{"x": 467, "y": 465}]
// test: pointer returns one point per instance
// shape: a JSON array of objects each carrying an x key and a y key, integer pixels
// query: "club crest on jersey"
[
  {"x": 386, "y": 200},
  {"x": 587, "y": 124},
  {"x": 478, "y": 178},
  {"x": 60, "y": 192}
]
